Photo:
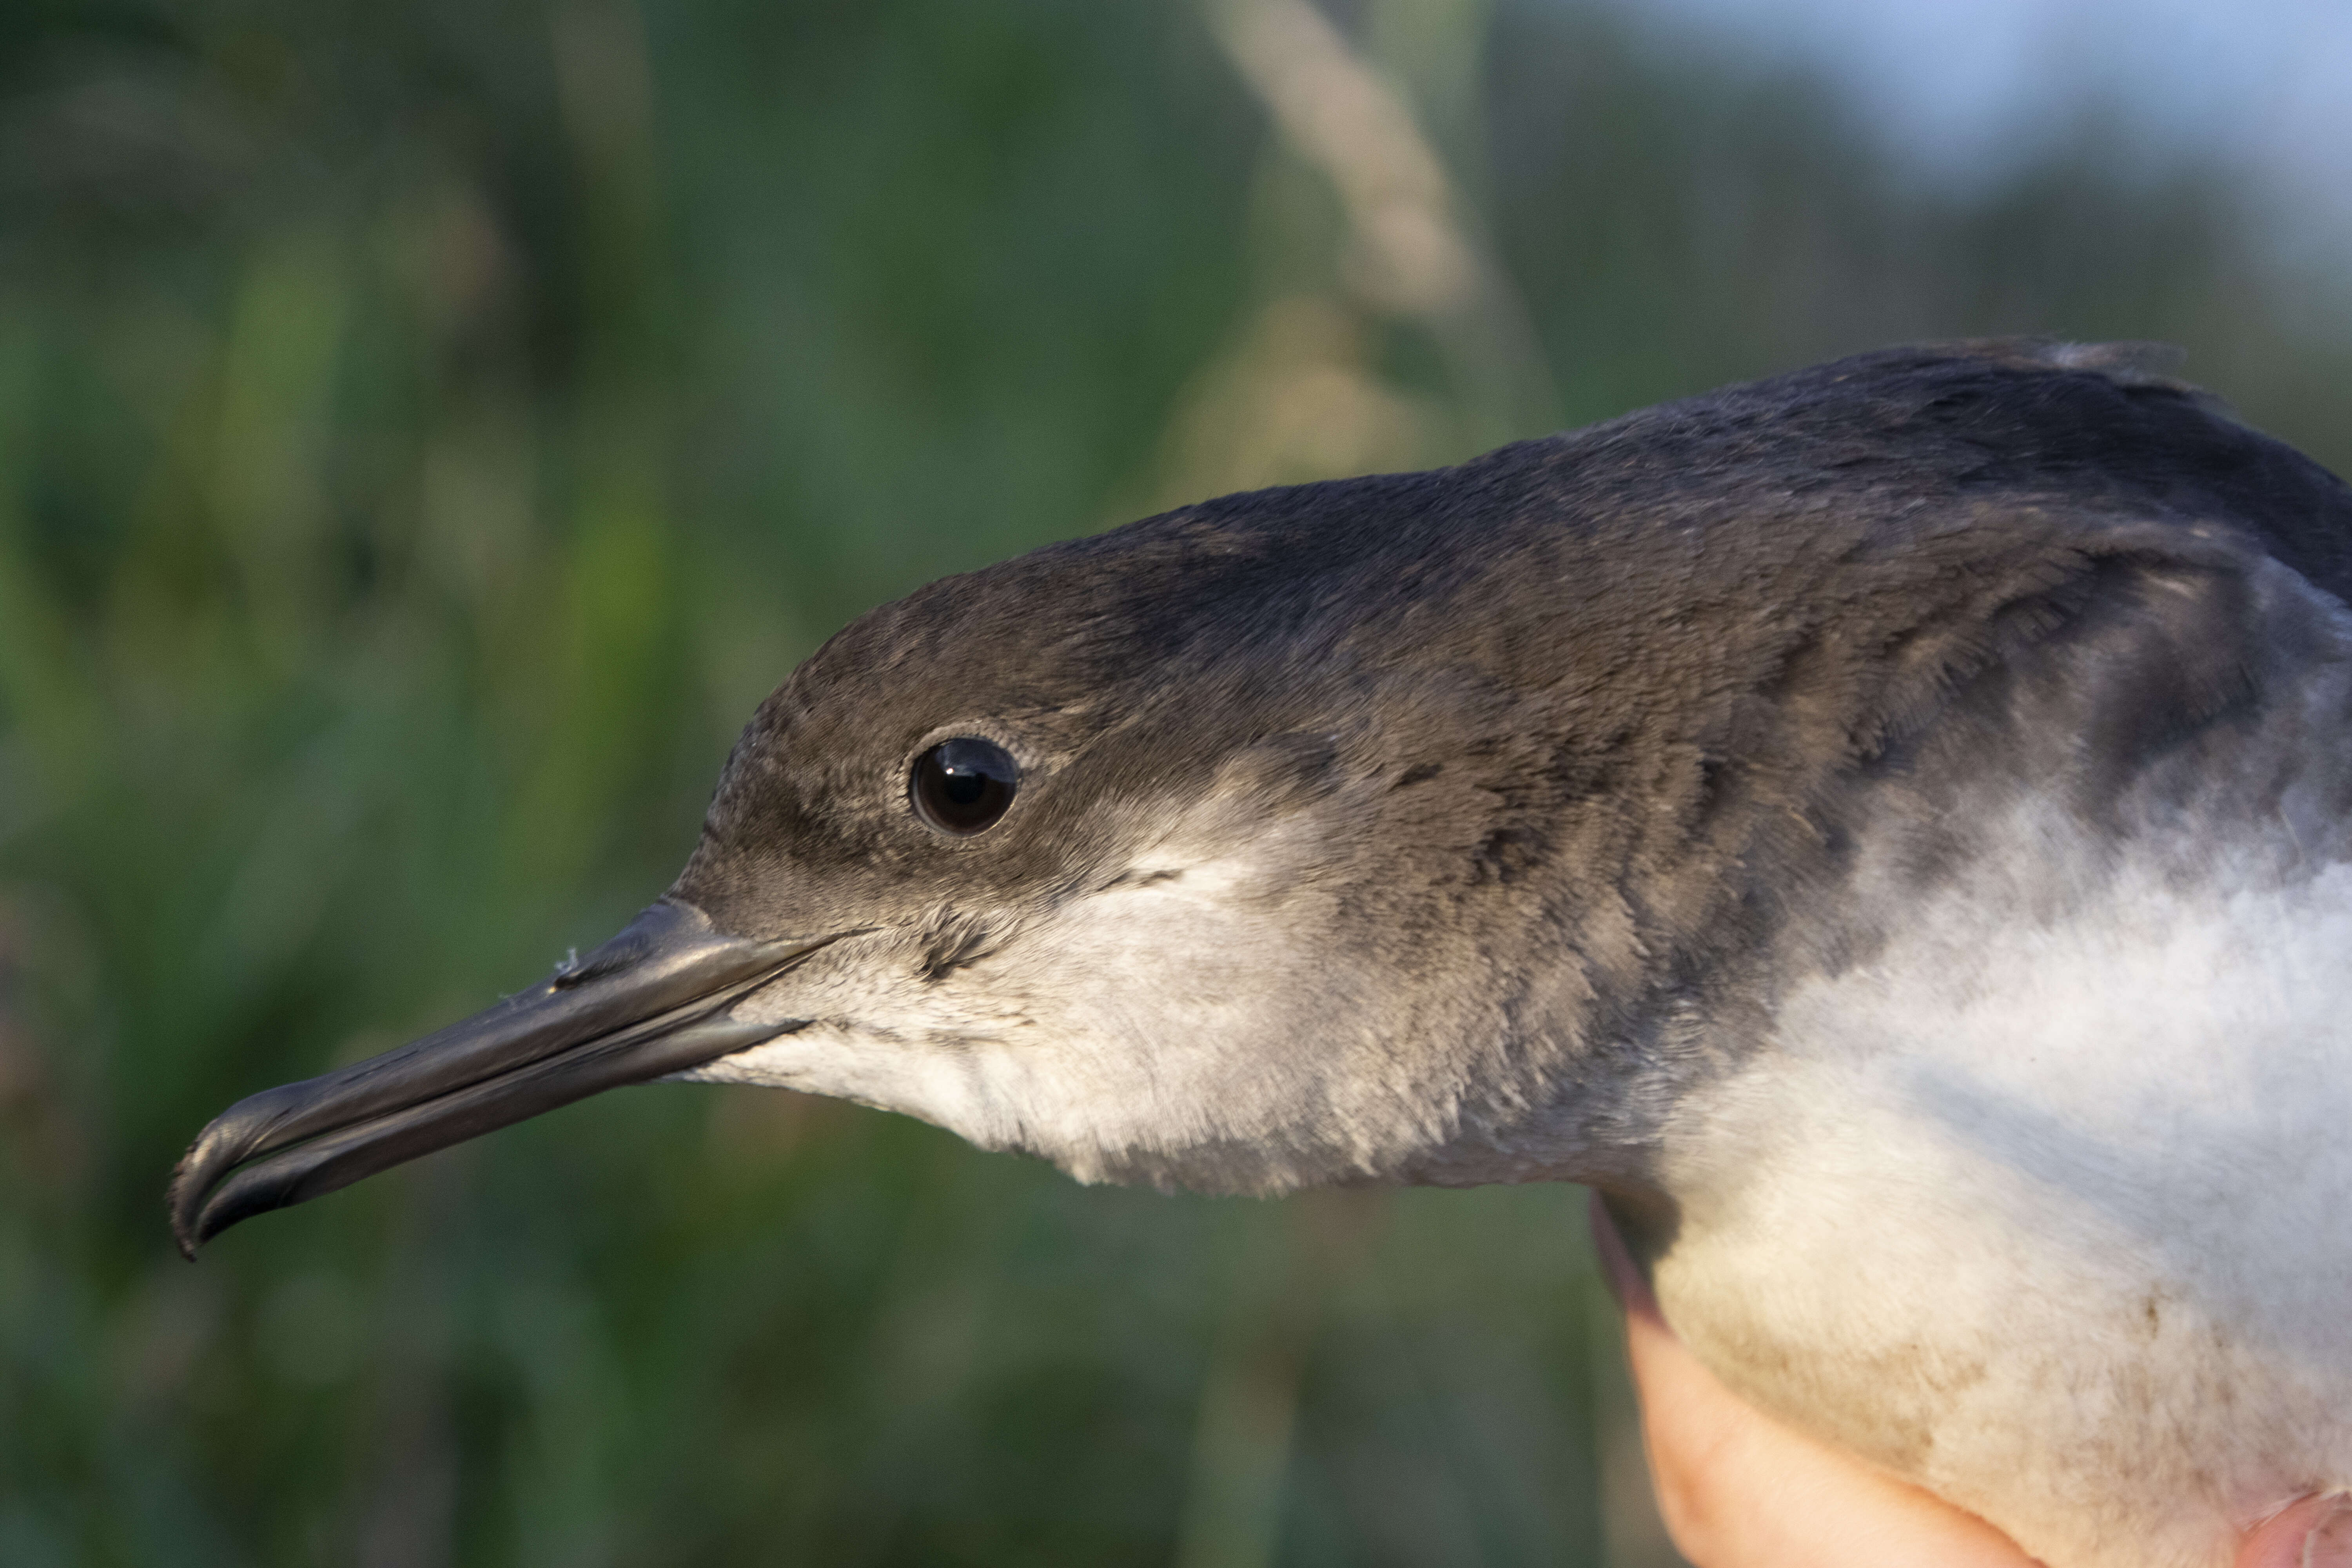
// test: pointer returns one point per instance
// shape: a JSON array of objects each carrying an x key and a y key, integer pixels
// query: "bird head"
[
  {"x": 1126, "y": 855},
  {"x": 1204, "y": 853}
]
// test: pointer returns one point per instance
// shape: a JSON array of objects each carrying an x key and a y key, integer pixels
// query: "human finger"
[
  {"x": 1738, "y": 1489},
  {"x": 2314, "y": 1534}
]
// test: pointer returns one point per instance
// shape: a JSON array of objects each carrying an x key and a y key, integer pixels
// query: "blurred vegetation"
[{"x": 426, "y": 431}]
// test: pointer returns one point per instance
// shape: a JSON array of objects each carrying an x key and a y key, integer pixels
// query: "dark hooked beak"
[{"x": 650, "y": 1002}]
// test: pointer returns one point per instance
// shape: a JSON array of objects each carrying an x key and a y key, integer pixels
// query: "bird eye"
[{"x": 961, "y": 786}]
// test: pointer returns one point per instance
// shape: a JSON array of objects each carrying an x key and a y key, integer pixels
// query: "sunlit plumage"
[{"x": 1888, "y": 827}]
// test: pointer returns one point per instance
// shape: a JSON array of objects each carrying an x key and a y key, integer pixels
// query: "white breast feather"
[{"x": 2053, "y": 1218}]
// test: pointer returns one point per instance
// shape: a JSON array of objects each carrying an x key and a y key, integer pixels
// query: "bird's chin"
[
  {"x": 988, "y": 1095},
  {"x": 869, "y": 1068}
]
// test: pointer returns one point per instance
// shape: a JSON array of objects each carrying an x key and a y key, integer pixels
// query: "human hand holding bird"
[
  {"x": 1889, "y": 828},
  {"x": 1738, "y": 1489}
]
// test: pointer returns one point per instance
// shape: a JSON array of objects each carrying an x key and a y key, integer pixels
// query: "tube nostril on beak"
[{"x": 648, "y": 1003}]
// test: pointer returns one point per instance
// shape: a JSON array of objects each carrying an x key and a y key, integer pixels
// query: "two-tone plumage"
[{"x": 1889, "y": 828}]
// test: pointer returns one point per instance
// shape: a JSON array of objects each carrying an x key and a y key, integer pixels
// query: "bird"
[{"x": 1886, "y": 827}]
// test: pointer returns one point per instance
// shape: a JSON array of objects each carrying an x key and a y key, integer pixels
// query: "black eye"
[{"x": 961, "y": 786}]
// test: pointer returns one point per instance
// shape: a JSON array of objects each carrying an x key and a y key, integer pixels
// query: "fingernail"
[{"x": 2329, "y": 1544}]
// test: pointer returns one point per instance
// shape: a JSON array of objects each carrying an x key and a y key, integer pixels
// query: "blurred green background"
[{"x": 427, "y": 430}]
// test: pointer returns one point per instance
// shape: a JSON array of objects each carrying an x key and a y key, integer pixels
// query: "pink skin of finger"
[{"x": 1737, "y": 1489}]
